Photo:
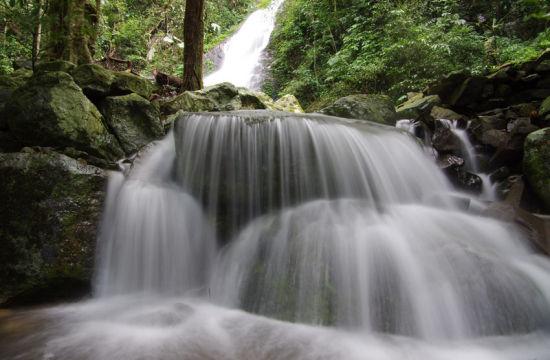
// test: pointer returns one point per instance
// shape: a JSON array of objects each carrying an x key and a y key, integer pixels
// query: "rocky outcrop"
[
  {"x": 51, "y": 110},
  {"x": 50, "y": 209},
  {"x": 133, "y": 121},
  {"x": 498, "y": 112},
  {"x": 536, "y": 163},
  {"x": 94, "y": 80},
  {"x": 376, "y": 108}
]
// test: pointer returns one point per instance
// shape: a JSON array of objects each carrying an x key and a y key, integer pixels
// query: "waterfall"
[
  {"x": 266, "y": 235},
  {"x": 243, "y": 52}
]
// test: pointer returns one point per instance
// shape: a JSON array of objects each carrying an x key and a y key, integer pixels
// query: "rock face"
[
  {"x": 536, "y": 163},
  {"x": 133, "y": 120},
  {"x": 51, "y": 205},
  {"x": 94, "y": 80},
  {"x": 51, "y": 110},
  {"x": 376, "y": 108}
]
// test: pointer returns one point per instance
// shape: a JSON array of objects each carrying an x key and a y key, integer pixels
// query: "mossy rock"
[
  {"x": 536, "y": 163},
  {"x": 133, "y": 120},
  {"x": 51, "y": 206},
  {"x": 51, "y": 110},
  {"x": 219, "y": 97},
  {"x": 126, "y": 83},
  {"x": 545, "y": 108},
  {"x": 418, "y": 106},
  {"x": 8, "y": 84},
  {"x": 94, "y": 80},
  {"x": 289, "y": 103},
  {"x": 56, "y": 65},
  {"x": 376, "y": 108}
]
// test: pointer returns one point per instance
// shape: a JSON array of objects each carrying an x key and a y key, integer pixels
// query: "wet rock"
[
  {"x": 464, "y": 180},
  {"x": 536, "y": 163},
  {"x": 416, "y": 107},
  {"x": 521, "y": 127},
  {"x": 499, "y": 174},
  {"x": 496, "y": 138},
  {"x": 51, "y": 205},
  {"x": 444, "y": 140},
  {"x": 249, "y": 100},
  {"x": 370, "y": 107},
  {"x": 51, "y": 110},
  {"x": 445, "y": 87},
  {"x": 448, "y": 162},
  {"x": 484, "y": 123},
  {"x": 133, "y": 120},
  {"x": 94, "y": 80}
]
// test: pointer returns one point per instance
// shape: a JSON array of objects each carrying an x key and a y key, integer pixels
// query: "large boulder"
[
  {"x": 219, "y": 97},
  {"x": 133, "y": 120},
  {"x": 371, "y": 107},
  {"x": 544, "y": 111},
  {"x": 51, "y": 206},
  {"x": 418, "y": 106},
  {"x": 51, "y": 110},
  {"x": 289, "y": 103},
  {"x": 536, "y": 163},
  {"x": 126, "y": 83},
  {"x": 94, "y": 80},
  {"x": 8, "y": 84}
]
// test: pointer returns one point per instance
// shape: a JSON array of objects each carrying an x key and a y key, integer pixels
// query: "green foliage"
[
  {"x": 17, "y": 18},
  {"x": 323, "y": 50}
]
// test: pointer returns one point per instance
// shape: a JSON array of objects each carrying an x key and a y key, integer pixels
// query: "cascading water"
[
  {"x": 319, "y": 221},
  {"x": 243, "y": 52}
]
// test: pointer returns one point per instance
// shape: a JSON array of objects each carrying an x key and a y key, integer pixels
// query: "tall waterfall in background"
[
  {"x": 307, "y": 219},
  {"x": 243, "y": 52}
]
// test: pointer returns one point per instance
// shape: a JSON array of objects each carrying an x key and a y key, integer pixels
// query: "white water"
[
  {"x": 326, "y": 222},
  {"x": 243, "y": 52},
  {"x": 471, "y": 160}
]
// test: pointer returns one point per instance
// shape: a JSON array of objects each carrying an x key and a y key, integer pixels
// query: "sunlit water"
[
  {"x": 257, "y": 235},
  {"x": 243, "y": 52}
]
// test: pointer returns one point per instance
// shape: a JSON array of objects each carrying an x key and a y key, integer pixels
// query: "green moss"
[
  {"x": 126, "y": 83},
  {"x": 50, "y": 209},
  {"x": 536, "y": 163},
  {"x": 94, "y": 80}
]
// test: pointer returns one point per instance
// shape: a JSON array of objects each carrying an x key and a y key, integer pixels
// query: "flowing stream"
[
  {"x": 243, "y": 52},
  {"x": 265, "y": 235}
]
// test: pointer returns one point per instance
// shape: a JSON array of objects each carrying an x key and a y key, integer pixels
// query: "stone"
[
  {"x": 56, "y": 65},
  {"x": 495, "y": 138},
  {"x": 444, "y": 140},
  {"x": 469, "y": 92},
  {"x": 521, "y": 127},
  {"x": 445, "y": 87},
  {"x": 133, "y": 120},
  {"x": 449, "y": 161},
  {"x": 51, "y": 110},
  {"x": 543, "y": 66},
  {"x": 126, "y": 83},
  {"x": 94, "y": 80},
  {"x": 439, "y": 113},
  {"x": 370, "y": 107},
  {"x": 416, "y": 107},
  {"x": 545, "y": 107},
  {"x": 51, "y": 206},
  {"x": 536, "y": 164},
  {"x": 289, "y": 103},
  {"x": 483, "y": 123},
  {"x": 499, "y": 174}
]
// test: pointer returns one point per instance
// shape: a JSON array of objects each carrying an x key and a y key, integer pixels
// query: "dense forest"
[{"x": 320, "y": 50}]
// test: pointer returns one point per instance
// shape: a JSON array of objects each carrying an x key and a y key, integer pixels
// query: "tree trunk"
[
  {"x": 193, "y": 38},
  {"x": 37, "y": 35},
  {"x": 72, "y": 30}
]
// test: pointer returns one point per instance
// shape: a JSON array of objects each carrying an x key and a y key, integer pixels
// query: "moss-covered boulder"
[
  {"x": 544, "y": 111},
  {"x": 289, "y": 103},
  {"x": 376, "y": 108},
  {"x": 51, "y": 110},
  {"x": 56, "y": 65},
  {"x": 8, "y": 84},
  {"x": 51, "y": 206},
  {"x": 126, "y": 83},
  {"x": 94, "y": 80},
  {"x": 536, "y": 163},
  {"x": 133, "y": 120},
  {"x": 418, "y": 106},
  {"x": 219, "y": 97}
]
